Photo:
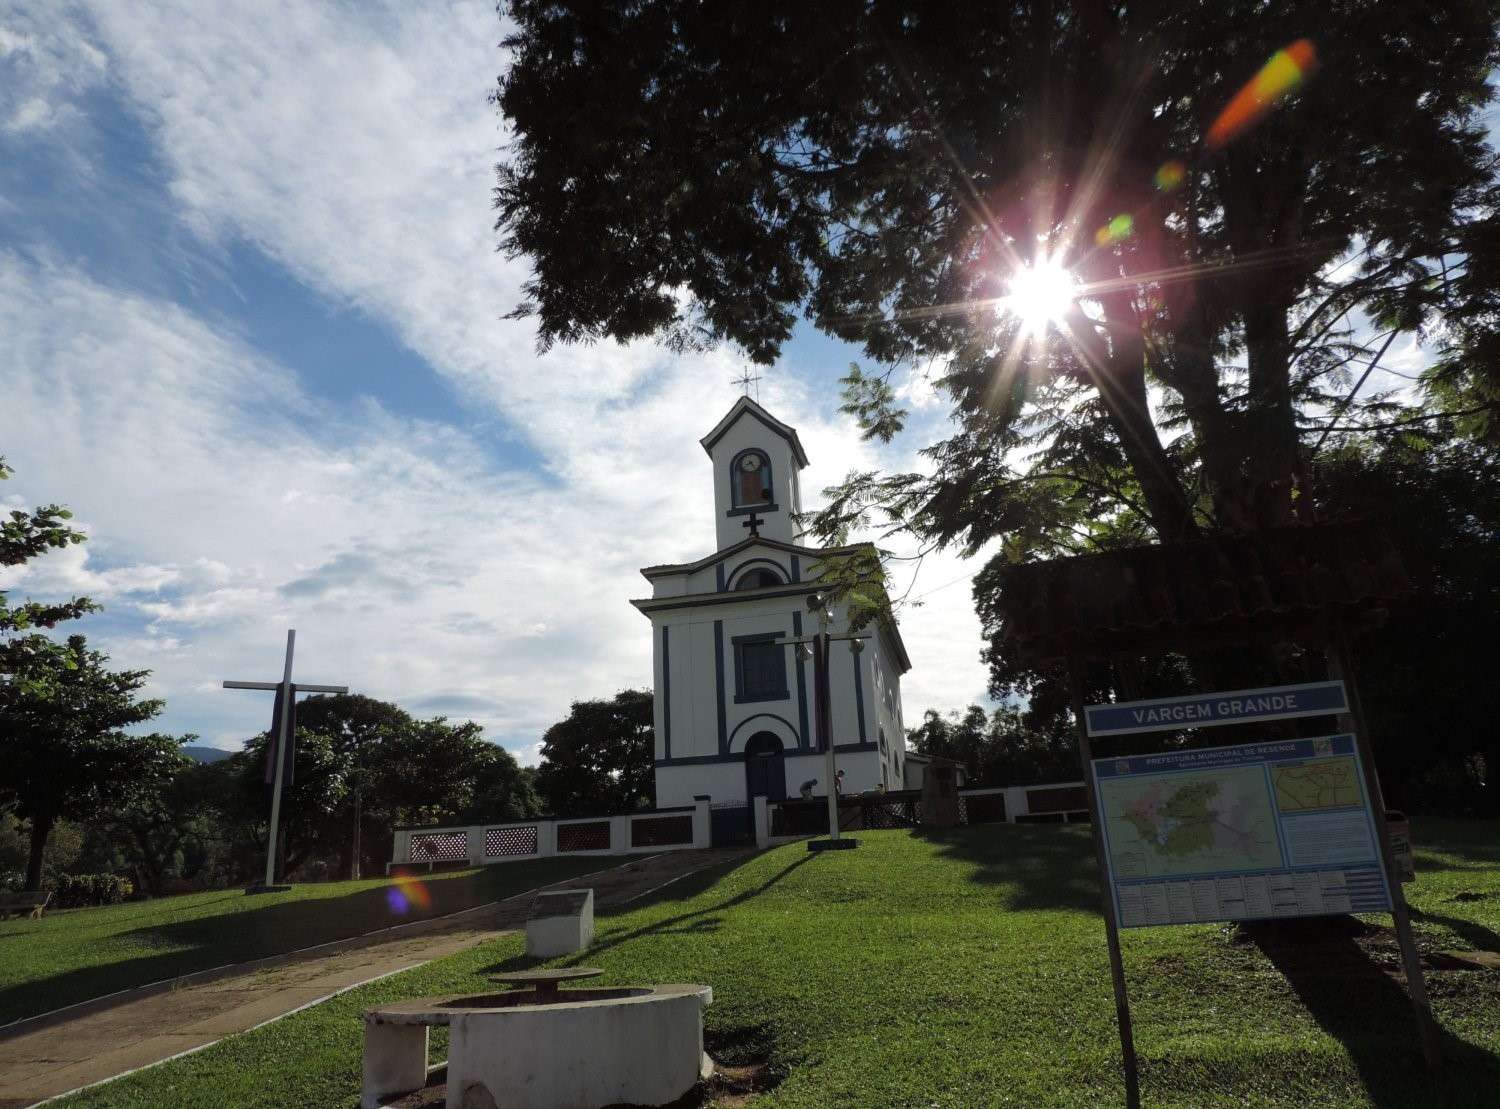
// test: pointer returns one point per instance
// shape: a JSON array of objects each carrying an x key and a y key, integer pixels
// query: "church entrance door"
[{"x": 765, "y": 768}]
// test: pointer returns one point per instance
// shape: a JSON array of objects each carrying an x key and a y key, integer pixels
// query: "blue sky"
[{"x": 253, "y": 336}]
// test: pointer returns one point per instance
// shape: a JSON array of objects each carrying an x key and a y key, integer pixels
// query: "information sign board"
[
  {"x": 1262, "y": 830},
  {"x": 1277, "y": 702}
]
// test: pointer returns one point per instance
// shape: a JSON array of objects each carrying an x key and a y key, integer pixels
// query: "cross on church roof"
[
  {"x": 745, "y": 380},
  {"x": 753, "y": 522}
]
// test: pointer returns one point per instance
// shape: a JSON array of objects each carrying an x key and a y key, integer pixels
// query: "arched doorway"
[{"x": 765, "y": 770}]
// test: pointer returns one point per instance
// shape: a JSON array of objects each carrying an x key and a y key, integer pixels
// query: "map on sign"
[
  {"x": 1321, "y": 784},
  {"x": 1240, "y": 833},
  {"x": 1187, "y": 823}
]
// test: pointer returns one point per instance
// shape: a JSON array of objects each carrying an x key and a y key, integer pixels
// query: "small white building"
[{"x": 734, "y": 709}]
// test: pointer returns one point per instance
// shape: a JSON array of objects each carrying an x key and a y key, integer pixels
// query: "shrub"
[{"x": 75, "y": 891}]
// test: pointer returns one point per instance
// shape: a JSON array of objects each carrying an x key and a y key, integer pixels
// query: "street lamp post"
[{"x": 820, "y": 644}]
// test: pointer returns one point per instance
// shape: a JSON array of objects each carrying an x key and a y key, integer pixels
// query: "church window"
[
  {"x": 750, "y": 481},
  {"x": 758, "y": 578},
  {"x": 759, "y": 669}
]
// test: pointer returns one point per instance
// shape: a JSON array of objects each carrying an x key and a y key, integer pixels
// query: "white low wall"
[
  {"x": 1050, "y": 801},
  {"x": 642, "y": 833}
]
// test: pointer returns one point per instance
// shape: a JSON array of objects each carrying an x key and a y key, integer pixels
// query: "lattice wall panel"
[
  {"x": 593, "y": 836},
  {"x": 986, "y": 808},
  {"x": 890, "y": 814},
  {"x": 661, "y": 831},
  {"x": 799, "y": 818},
  {"x": 439, "y": 847},
  {"x": 517, "y": 840}
]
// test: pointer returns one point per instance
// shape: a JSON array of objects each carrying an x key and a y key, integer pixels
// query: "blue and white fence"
[
  {"x": 648, "y": 832},
  {"x": 1052, "y": 802},
  {"x": 691, "y": 826}
]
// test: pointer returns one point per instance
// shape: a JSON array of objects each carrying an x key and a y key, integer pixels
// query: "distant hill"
[{"x": 205, "y": 754}]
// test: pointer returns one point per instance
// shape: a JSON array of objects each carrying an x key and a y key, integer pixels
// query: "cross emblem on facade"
[{"x": 753, "y": 522}]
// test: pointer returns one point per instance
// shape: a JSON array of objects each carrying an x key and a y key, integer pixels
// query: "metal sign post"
[
  {"x": 286, "y": 695},
  {"x": 1107, "y": 901}
]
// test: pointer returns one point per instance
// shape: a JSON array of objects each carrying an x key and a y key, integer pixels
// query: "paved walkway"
[{"x": 97, "y": 1040}]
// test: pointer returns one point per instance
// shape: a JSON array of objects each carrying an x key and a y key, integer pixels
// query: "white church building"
[{"x": 735, "y": 717}]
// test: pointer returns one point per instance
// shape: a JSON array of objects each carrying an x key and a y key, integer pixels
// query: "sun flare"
[{"x": 1040, "y": 294}]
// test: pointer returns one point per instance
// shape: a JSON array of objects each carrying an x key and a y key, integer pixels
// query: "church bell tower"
[{"x": 757, "y": 460}]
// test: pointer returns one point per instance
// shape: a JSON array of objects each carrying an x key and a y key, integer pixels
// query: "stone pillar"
[
  {"x": 762, "y": 822},
  {"x": 702, "y": 822},
  {"x": 395, "y": 1062},
  {"x": 619, "y": 834},
  {"x": 476, "y": 845},
  {"x": 401, "y": 849},
  {"x": 546, "y": 838}
]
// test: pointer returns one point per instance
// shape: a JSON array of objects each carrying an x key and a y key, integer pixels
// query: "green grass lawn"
[
  {"x": 83, "y": 953},
  {"x": 967, "y": 969}
]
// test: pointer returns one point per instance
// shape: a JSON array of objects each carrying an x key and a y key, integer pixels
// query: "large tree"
[
  {"x": 173, "y": 802},
  {"x": 998, "y": 748},
  {"x": 888, "y": 168},
  {"x": 63, "y": 753},
  {"x": 27, "y": 656},
  {"x": 355, "y": 754},
  {"x": 598, "y": 760}
]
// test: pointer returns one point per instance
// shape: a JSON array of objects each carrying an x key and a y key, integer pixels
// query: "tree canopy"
[
  {"x": 599, "y": 759},
  {"x": 888, "y": 169},
  {"x": 26, "y": 655},
  {"x": 63, "y": 753}
]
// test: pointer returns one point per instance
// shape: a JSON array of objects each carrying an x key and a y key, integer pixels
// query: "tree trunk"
[
  {"x": 41, "y": 828},
  {"x": 1191, "y": 371},
  {"x": 1120, "y": 376},
  {"x": 1272, "y": 442},
  {"x": 1491, "y": 796}
]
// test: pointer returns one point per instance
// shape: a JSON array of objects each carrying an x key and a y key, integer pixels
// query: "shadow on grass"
[
  {"x": 1041, "y": 866},
  {"x": 1472, "y": 932},
  {"x": 255, "y": 932},
  {"x": 1358, "y": 1003},
  {"x": 697, "y": 922}
]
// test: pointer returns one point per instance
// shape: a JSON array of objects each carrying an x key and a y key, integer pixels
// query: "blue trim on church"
[
  {"x": 719, "y": 685},
  {"x": 700, "y": 760},
  {"x": 859, "y": 695},
  {"x": 719, "y": 577},
  {"x": 785, "y": 723},
  {"x": 666, "y": 692},
  {"x": 802, "y": 741},
  {"x": 796, "y": 568}
]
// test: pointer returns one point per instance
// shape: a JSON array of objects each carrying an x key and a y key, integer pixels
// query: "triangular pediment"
[
  {"x": 747, "y": 409},
  {"x": 812, "y": 553}
]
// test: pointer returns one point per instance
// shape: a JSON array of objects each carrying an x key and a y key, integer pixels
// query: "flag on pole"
[{"x": 275, "y": 739}]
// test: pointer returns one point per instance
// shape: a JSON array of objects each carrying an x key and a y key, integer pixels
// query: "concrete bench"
[
  {"x": 31, "y": 902},
  {"x": 581, "y": 1047}
]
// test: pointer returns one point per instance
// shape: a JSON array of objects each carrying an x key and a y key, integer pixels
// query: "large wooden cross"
[
  {"x": 286, "y": 693},
  {"x": 753, "y": 522}
]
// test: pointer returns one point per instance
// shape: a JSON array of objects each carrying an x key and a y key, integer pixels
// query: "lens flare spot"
[
  {"x": 1040, "y": 294},
  {"x": 407, "y": 894},
  {"x": 1286, "y": 72},
  {"x": 1116, "y": 230},
  {"x": 1170, "y": 176}
]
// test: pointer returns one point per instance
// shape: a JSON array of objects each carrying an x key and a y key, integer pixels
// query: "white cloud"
[
  {"x": 46, "y": 63},
  {"x": 355, "y": 145}
]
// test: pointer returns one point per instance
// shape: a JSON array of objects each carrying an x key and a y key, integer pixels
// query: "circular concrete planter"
[{"x": 590, "y": 1048}]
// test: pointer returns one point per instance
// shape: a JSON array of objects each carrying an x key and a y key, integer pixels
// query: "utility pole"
[{"x": 820, "y": 643}]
